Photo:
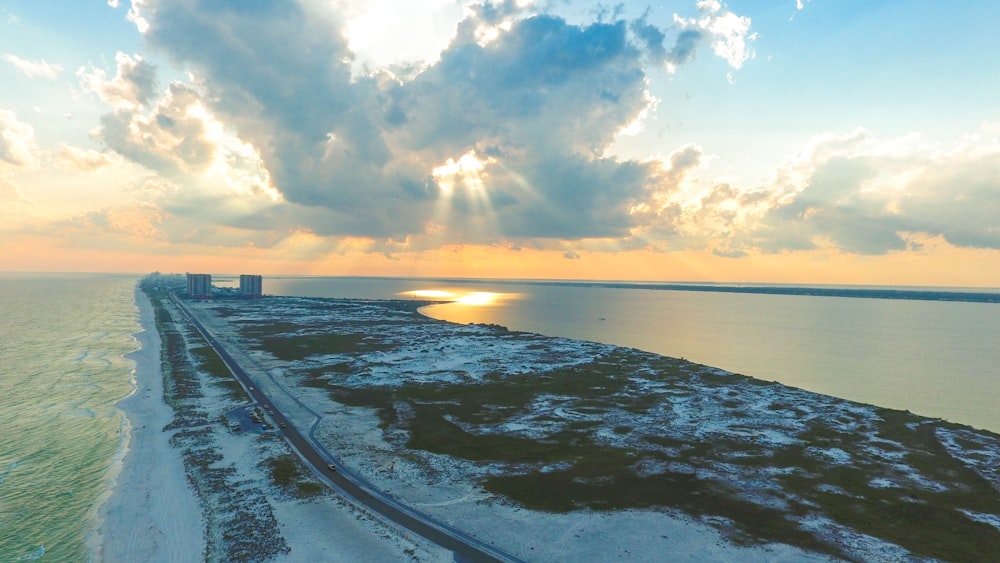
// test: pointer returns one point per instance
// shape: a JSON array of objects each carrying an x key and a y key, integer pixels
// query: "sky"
[{"x": 793, "y": 141}]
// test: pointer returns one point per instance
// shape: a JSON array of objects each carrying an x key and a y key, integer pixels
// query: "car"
[
  {"x": 332, "y": 467},
  {"x": 282, "y": 424}
]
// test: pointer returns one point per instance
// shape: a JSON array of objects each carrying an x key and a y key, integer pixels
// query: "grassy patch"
[
  {"x": 298, "y": 347},
  {"x": 212, "y": 365},
  {"x": 287, "y": 474}
]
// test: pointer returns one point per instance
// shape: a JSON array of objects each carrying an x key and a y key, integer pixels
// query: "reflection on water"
[{"x": 462, "y": 297}]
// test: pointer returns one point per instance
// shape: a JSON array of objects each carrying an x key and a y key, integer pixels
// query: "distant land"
[
  {"x": 972, "y": 295},
  {"x": 928, "y": 294}
]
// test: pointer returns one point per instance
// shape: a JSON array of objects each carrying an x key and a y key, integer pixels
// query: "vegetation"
[
  {"x": 891, "y": 477},
  {"x": 240, "y": 525},
  {"x": 623, "y": 431},
  {"x": 287, "y": 473}
]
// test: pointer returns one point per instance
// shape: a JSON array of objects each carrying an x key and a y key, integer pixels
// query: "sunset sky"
[{"x": 822, "y": 141}]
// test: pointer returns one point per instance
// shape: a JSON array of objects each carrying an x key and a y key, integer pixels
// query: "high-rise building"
[
  {"x": 199, "y": 285},
  {"x": 250, "y": 285}
]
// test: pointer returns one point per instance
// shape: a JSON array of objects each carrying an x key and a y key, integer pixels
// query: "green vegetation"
[
  {"x": 625, "y": 431},
  {"x": 591, "y": 475},
  {"x": 297, "y": 347},
  {"x": 287, "y": 474},
  {"x": 212, "y": 365}
]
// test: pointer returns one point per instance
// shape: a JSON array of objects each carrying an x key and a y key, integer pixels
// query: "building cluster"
[{"x": 199, "y": 286}]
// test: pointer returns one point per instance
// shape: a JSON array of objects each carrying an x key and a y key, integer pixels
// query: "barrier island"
[{"x": 555, "y": 449}]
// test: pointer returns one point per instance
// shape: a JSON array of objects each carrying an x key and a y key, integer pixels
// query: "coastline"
[
  {"x": 151, "y": 513},
  {"x": 147, "y": 519}
]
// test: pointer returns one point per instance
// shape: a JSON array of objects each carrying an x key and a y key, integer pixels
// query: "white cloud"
[
  {"x": 33, "y": 69},
  {"x": 526, "y": 118},
  {"x": 383, "y": 33},
  {"x": 132, "y": 87},
  {"x": 85, "y": 160},
  {"x": 134, "y": 15},
  {"x": 728, "y": 33},
  {"x": 858, "y": 194},
  {"x": 17, "y": 140}
]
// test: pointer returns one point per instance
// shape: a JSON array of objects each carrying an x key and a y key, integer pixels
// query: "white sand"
[
  {"x": 152, "y": 514},
  {"x": 450, "y": 496}
]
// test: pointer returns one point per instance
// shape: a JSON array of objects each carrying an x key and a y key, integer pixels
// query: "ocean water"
[
  {"x": 934, "y": 358},
  {"x": 63, "y": 342}
]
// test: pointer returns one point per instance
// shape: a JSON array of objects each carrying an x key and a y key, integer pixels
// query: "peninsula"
[{"x": 546, "y": 448}]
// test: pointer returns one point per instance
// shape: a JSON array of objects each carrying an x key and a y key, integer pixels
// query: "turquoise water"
[
  {"x": 934, "y": 358},
  {"x": 63, "y": 339}
]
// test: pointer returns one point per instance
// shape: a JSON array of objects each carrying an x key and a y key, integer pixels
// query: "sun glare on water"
[{"x": 472, "y": 298}]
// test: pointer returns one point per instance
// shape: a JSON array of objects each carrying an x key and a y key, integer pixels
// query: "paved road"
[{"x": 465, "y": 547}]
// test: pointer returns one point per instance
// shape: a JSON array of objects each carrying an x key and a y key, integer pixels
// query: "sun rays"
[{"x": 464, "y": 204}]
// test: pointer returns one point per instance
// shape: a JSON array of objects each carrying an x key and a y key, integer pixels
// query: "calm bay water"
[
  {"x": 934, "y": 358},
  {"x": 63, "y": 339}
]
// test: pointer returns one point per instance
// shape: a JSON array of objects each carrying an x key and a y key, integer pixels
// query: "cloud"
[
  {"x": 85, "y": 160},
  {"x": 132, "y": 87},
  {"x": 172, "y": 132},
  {"x": 170, "y": 138},
  {"x": 502, "y": 139},
  {"x": 542, "y": 95},
  {"x": 17, "y": 140},
  {"x": 33, "y": 69},
  {"x": 532, "y": 100},
  {"x": 729, "y": 34},
  {"x": 861, "y": 195}
]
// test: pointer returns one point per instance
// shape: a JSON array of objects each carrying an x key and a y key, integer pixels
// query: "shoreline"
[
  {"x": 153, "y": 512},
  {"x": 146, "y": 518},
  {"x": 150, "y": 513}
]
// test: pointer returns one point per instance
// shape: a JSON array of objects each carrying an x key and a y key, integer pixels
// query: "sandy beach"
[{"x": 152, "y": 514}]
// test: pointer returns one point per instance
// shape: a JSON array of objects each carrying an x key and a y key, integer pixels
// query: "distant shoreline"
[
  {"x": 971, "y": 295},
  {"x": 857, "y": 293}
]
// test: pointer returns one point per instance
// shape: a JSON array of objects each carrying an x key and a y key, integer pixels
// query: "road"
[{"x": 464, "y": 547}]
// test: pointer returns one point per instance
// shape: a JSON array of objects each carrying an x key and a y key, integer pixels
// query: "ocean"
[{"x": 63, "y": 342}]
